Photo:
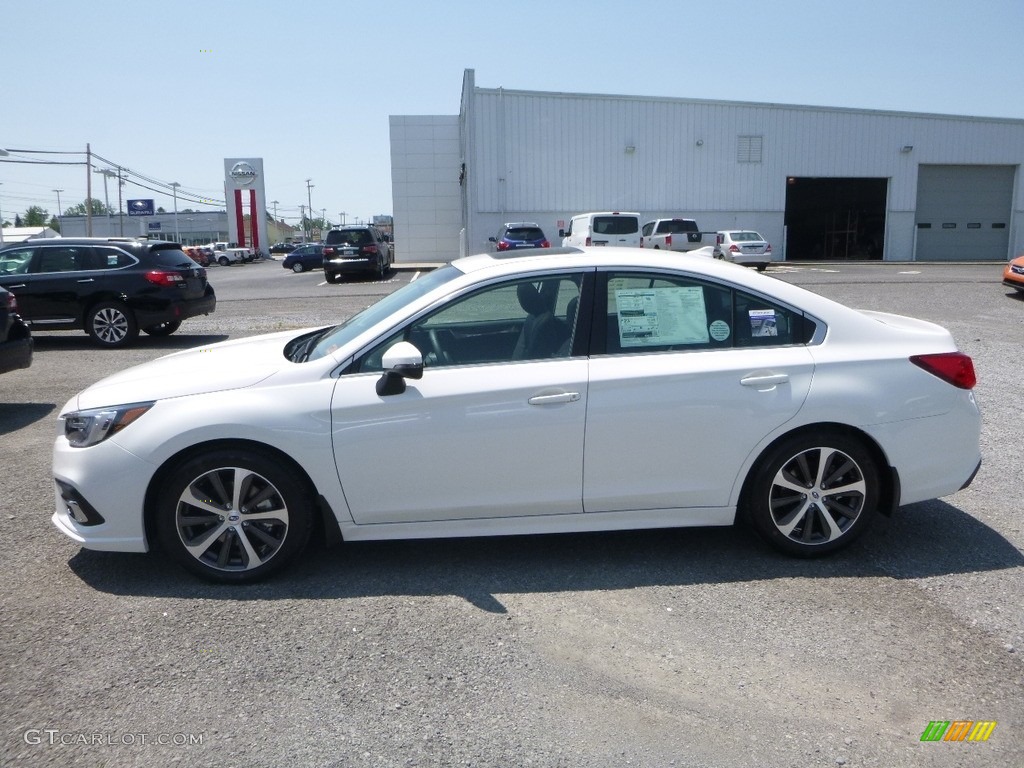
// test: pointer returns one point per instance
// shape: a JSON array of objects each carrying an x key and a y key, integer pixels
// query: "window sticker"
[
  {"x": 651, "y": 317},
  {"x": 762, "y": 323},
  {"x": 719, "y": 330}
]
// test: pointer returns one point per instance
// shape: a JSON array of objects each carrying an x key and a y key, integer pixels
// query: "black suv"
[
  {"x": 15, "y": 338},
  {"x": 110, "y": 287},
  {"x": 356, "y": 249}
]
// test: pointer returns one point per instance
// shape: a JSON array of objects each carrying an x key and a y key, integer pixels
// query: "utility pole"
[
  {"x": 120, "y": 200},
  {"x": 88, "y": 193},
  {"x": 342, "y": 216},
  {"x": 174, "y": 188},
  {"x": 59, "y": 223},
  {"x": 107, "y": 173},
  {"x": 309, "y": 199},
  {"x": 302, "y": 219}
]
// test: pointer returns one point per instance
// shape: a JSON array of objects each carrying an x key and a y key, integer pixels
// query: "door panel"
[{"x": 463, "y": 442}]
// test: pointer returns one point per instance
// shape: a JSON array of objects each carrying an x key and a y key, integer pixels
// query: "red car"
[{"x": 1013, "y": 274}]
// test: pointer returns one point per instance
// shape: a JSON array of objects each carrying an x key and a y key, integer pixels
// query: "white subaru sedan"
[{"x": 533, "y": 391}]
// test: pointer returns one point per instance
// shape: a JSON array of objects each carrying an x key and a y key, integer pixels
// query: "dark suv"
[
  {"x": 356, "y": 249},
  {"x": 522, "y": 234},
  {"x": 15, "y": 338},
  {"x": 110, "y": 287}
]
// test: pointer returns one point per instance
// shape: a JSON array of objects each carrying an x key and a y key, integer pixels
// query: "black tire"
[
  {"x": 163, "y": 329},
  {"x": 201, "y": 515},
  {"x": 111, "y": 324},
  {"x": 332, "y": 277},
  {"x": 813, "y": 494},
  {"x": 224, "y": 261},
  {"x": 762, "y": 267},
  {"x": 297, "y": 267}
]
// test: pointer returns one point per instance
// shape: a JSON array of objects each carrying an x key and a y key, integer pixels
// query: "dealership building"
[{"x": 821, "y": 184}]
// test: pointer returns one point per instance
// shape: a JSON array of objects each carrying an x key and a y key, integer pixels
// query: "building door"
[
  {"x": 963, "y": 212},
  {"x": 835, "y": 219}
]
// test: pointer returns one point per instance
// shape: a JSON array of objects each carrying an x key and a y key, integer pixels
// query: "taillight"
[
  {"x": 12, "y": 303},
  {"x": 589, "y": 241},
  {"x": 370, "y": 248},
  {"x": 954, "y": 368},
  {"x": 328, "y": 250},
  {"x": 768, "y": 249},
  {"x": 502, "y": 245},
  {"x": 734, "y": 248},
  {"x": 668, "y": 241},
  {"x": 544, "y": 244},
  {"x": 165, "y": 279}
]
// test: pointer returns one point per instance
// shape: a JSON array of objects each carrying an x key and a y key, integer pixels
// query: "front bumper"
[{"x": 99, "y": 495}]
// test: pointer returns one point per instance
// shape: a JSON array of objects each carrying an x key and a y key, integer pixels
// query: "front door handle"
[
  {"x": 764, "y": 380},
  {"x": 561, "y": 397},
  {"x": 86, "y": 280}
]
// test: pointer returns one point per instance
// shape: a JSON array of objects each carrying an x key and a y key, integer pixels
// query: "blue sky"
[{"x": 171, "y": 89}]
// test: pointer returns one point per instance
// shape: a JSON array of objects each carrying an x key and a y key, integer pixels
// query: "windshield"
[{"x": 336, "y": 337}]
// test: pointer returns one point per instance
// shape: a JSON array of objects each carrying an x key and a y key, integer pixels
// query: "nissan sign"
[{"x": 242, "y": 173}]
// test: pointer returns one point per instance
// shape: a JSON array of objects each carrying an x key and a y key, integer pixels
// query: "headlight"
[{"x": 85, "y": 428}]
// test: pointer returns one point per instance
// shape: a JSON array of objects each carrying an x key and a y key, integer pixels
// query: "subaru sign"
[{"x": 140, "y": 207}]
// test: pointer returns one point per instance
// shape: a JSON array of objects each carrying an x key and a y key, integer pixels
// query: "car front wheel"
[
  {"x": 234, "y": 515},
  {"x": 297, "y": 267},
  {"x": 813, "y": 494},
  {"x": 111, "y": 324}
]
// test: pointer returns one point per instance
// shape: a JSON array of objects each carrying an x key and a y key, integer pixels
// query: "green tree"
[
  {"x": 97, "y": 206},
  {"x": 54, "y": 224},
  {"x": 36, "y": 217}
]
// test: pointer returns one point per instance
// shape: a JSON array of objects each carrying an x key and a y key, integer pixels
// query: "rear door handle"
[
  {"x": 561, "y": 397},
  {"x": 764, "y": 380},
  {"x": 86, "y": 280}
]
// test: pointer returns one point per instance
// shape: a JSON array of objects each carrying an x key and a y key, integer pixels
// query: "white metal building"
[{"x": 820, "y": 183}]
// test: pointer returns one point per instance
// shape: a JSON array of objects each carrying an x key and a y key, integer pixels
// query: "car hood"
[{"x": 213, "y": 368}]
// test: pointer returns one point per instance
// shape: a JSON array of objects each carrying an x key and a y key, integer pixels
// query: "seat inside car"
[{"x": 543, "y": 335}]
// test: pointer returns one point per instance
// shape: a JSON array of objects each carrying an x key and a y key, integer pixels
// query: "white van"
[{"x": 605, "y": 228}]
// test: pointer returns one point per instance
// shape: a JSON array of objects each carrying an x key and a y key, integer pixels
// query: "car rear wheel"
[
  {"x": 332, "y": 277},
  {"x": 297, "y": 267},
  {"x": 111, "y": 324},
  {"x": 163, "y": 329},
  {"x": 234, "y": 515},
  {"x": 813, "y": 494}
]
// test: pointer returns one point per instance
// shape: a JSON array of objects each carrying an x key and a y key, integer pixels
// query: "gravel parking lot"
[{"x": 696, "y": 647}]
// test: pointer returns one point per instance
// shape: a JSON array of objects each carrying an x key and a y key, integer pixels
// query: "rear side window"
[
  {"x": 110, "y": 258},
  {"x": 656, "y": 313},
  {"x": 616, "y": 225},
  {"x": 63, "y": 259}
]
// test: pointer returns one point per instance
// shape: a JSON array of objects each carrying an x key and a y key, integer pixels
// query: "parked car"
[
  {"x": 671, "y": 235},
  {"x": 356, "y": 249},
  {"x": 197, "y": 254},
  {"x": 706, "y": 394},
  {"x": 608, "y": 228},
  {"x": 1013, "y": 274},
  {"x": 15, "y": 337},
  {"x": 743, "y": 247},
  {"x": 283, "y": 247},
  {"x": 523, "y": 234},
  {"x": 110, "y": 287},
  {"x": 305, "y": 258}
]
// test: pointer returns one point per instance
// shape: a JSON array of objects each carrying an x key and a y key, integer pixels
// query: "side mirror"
[
  {"x": 492, "y": 239},
  {"x": 402, "y": 361},
  {"x": 562, "y": 233}
]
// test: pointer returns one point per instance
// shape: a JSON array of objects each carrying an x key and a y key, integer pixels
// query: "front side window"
[
  {"x": 514, "y": 321},
  {"x": 659, "y": 313}
]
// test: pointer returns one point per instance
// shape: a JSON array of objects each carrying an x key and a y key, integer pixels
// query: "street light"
[
  {"x": 60, "y": 224},
  {"x": 174, "y": 188}
]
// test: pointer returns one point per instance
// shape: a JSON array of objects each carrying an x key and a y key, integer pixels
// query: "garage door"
[{"x": 963, "y": 212}]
